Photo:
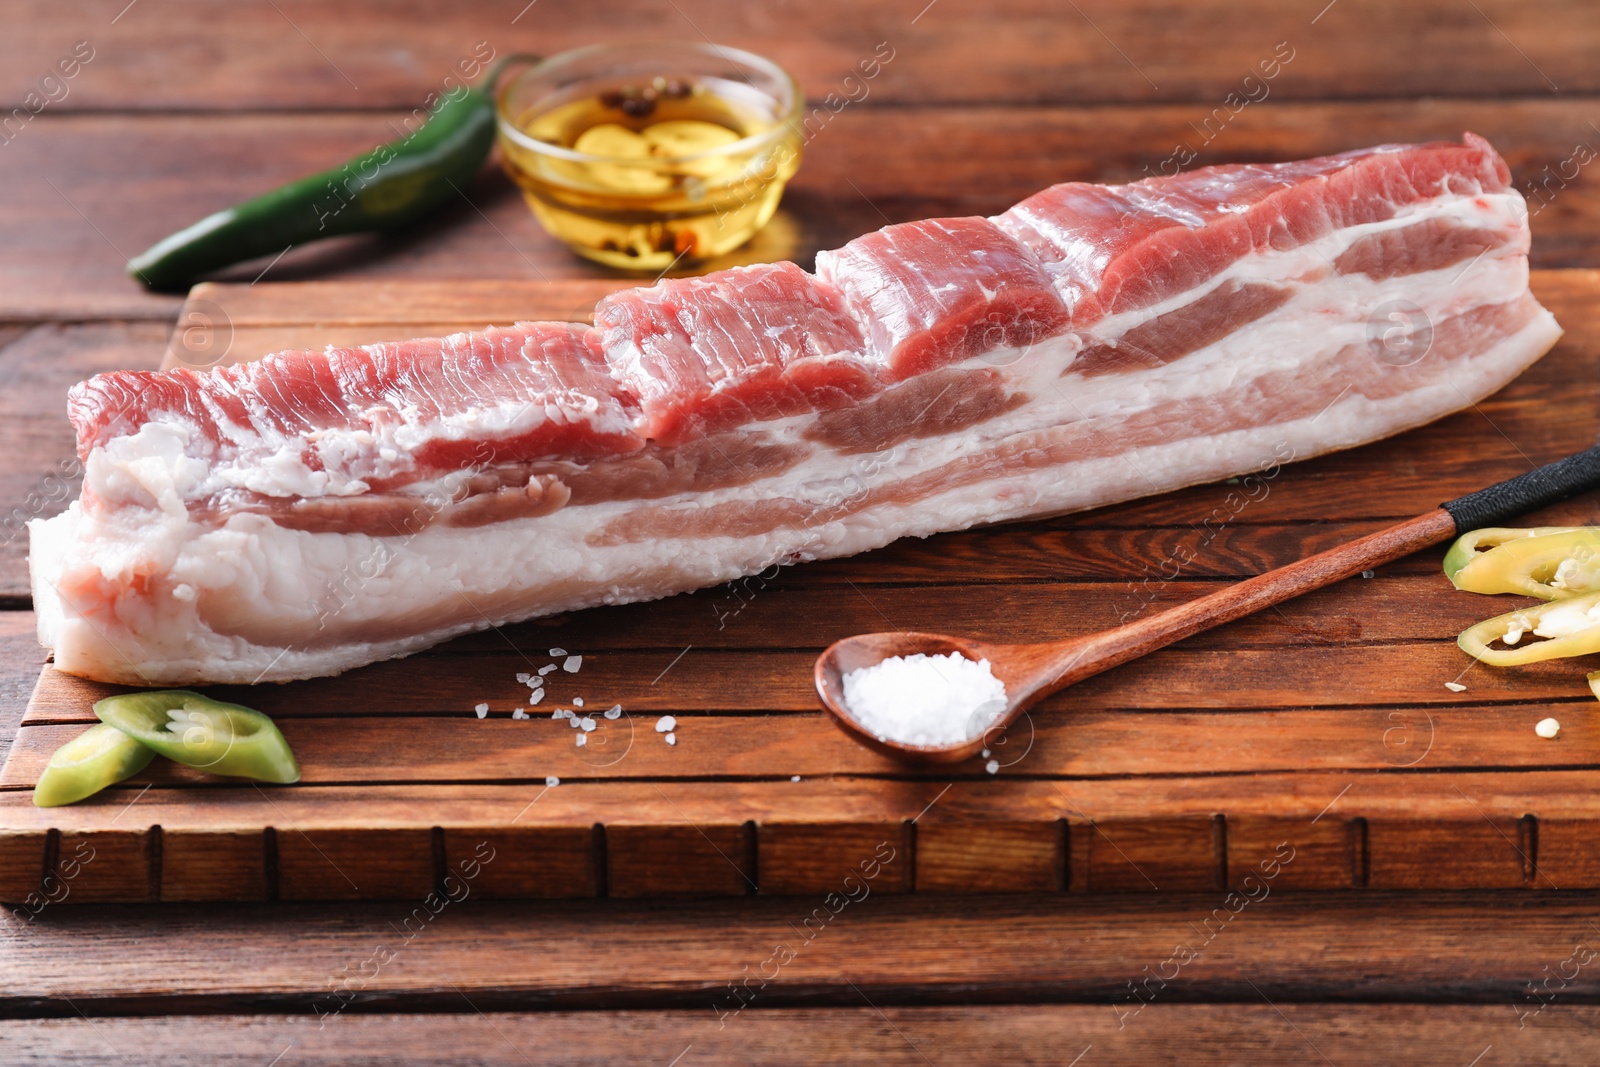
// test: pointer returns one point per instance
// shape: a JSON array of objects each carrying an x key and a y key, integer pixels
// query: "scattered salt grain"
[
  {"x": 1547, "y": 729},
  {"x": 587, "y": 723},
  {"x": 577, "y": 702},
  {"x": 925, "y": 700},
  {"x": 482, "y": 710},
  {"x": 557, "y": 652},
  {"x": 794, "y": 778},
  {"x": 523, "y": 677},
  {"x": 552, "y": 781},
  {"x": 536, "y": 696},
  {"x": 984, "y": 753},
  {"x": 1455, "y": 687},
  {"x": 573, "y": 721},
  {"x": 614, "y": 711},
  {"x": 558, "y": 714},
  {"x": 672, "y": 739},
  {"x": 993, "y": 766},
  {"x": 583, "y": 739},
  {"x": 546, "y": 669},
  {"x": 1369, "y": 574},
  {"x": 571, "y": 664},
  {"x": 665, "y": 723}
]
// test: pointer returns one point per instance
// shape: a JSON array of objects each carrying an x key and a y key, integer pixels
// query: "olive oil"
[{"x": 649, "y": 175}]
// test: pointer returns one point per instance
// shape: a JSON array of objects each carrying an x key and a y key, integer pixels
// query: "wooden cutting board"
[{"x": 1314, "y": 746}]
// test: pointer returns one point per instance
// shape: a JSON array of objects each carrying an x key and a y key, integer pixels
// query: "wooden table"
[{"x": 185, "y": 107}]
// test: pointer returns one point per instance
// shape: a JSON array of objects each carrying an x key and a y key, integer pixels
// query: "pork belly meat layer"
[{"x": 312, "y": 512}]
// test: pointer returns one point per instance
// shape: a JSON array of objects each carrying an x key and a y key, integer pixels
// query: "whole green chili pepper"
[
  {"x": 391, "y": 186},
  {"x": 1549, "y": 562}
]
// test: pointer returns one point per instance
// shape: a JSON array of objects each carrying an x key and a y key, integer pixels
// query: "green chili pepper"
[
  {"x": 206, "y": 734},
  {"x": 1549, "y": 562},
  {"x": 1568, "y": 627},
  {"x": 100, "y": 756},
  {"x": 391, "y": 186}
]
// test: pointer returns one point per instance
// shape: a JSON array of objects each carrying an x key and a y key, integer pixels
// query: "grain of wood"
[
  {"x": 870, "y": 166},
  {"x": 1069, "y": 742},
  {"x": 1349, "y": 946},
  {"x": 1138, "y": 834},
  {"x": 1201, "y": 1035},
  {"x": 187, "y": 56}
]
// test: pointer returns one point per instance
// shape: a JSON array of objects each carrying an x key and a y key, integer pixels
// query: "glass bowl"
[{"x": 649, "y": 155}]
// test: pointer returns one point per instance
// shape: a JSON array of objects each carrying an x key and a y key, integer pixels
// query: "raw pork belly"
[{"x": 316, "y": 511}]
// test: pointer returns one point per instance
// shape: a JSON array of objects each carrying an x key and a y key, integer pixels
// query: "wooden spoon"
[{"x": 1032, "y": 672}]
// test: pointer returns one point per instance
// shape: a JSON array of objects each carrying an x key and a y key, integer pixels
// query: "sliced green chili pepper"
[
  {"x": 1568, "y": 627},
  {"x": 100, "y": 756},
  {"x": 206, "y": 734},
  {"x": 391, "y": 186},
  {"x": 1549, "y": 562}
]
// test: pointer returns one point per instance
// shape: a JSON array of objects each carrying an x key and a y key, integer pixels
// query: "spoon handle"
[{"x": 1079, "y": 659}]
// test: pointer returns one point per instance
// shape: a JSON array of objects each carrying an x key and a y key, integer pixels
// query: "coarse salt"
[
  {"x": 672, "y": 739},
  {"x": 1547, "y": 729},
  {"x": 571, "y": 664},
  {"x": 666, "y": 723},
  {"x": 794, "y": 778},
  {"x": 993, "y": 766},
  {"x": 523, "y": 677},
  {"x": 552, "y": 781},
  {"x": 546, "y": 669},
  {"x": 587, "y": 723},
  {"x": 536, "y": 696},
  {"x": 583, "y": 739},
  {"x": 614, "y": 712},
  {"x": 519, "y": 713},
  {"x": 482, "y": 710},
  {"x": 557, "y": 652},
  {"x": 577, "y": 702},
  {"x": 925, "y": 700},
  {"x": 1455, "y": 687}
]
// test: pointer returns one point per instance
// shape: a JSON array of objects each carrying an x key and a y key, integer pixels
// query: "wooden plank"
[
  {"x": 1441, "y": 830},
  {"x": 68, "y": 243},
  {"x": 1420, "y": 853},
  {"x": 1480, "y": 947},
  {"x": 1320, "y": 852},
  {"x": 654, "y": 860},
  {"x": 998, "y": 856},
  {"x": 504, "y": 860},
  {"x": 371, "y": 863},
  {"x": 1353, "y": 676},
  {"x": 1202, "y": 1035},
  {"x": 842, "y": 860},
  {"x": 211, "y": 866},
  {"x": 1077, "y": 744},
  {"x": 370, "y": 54}
]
